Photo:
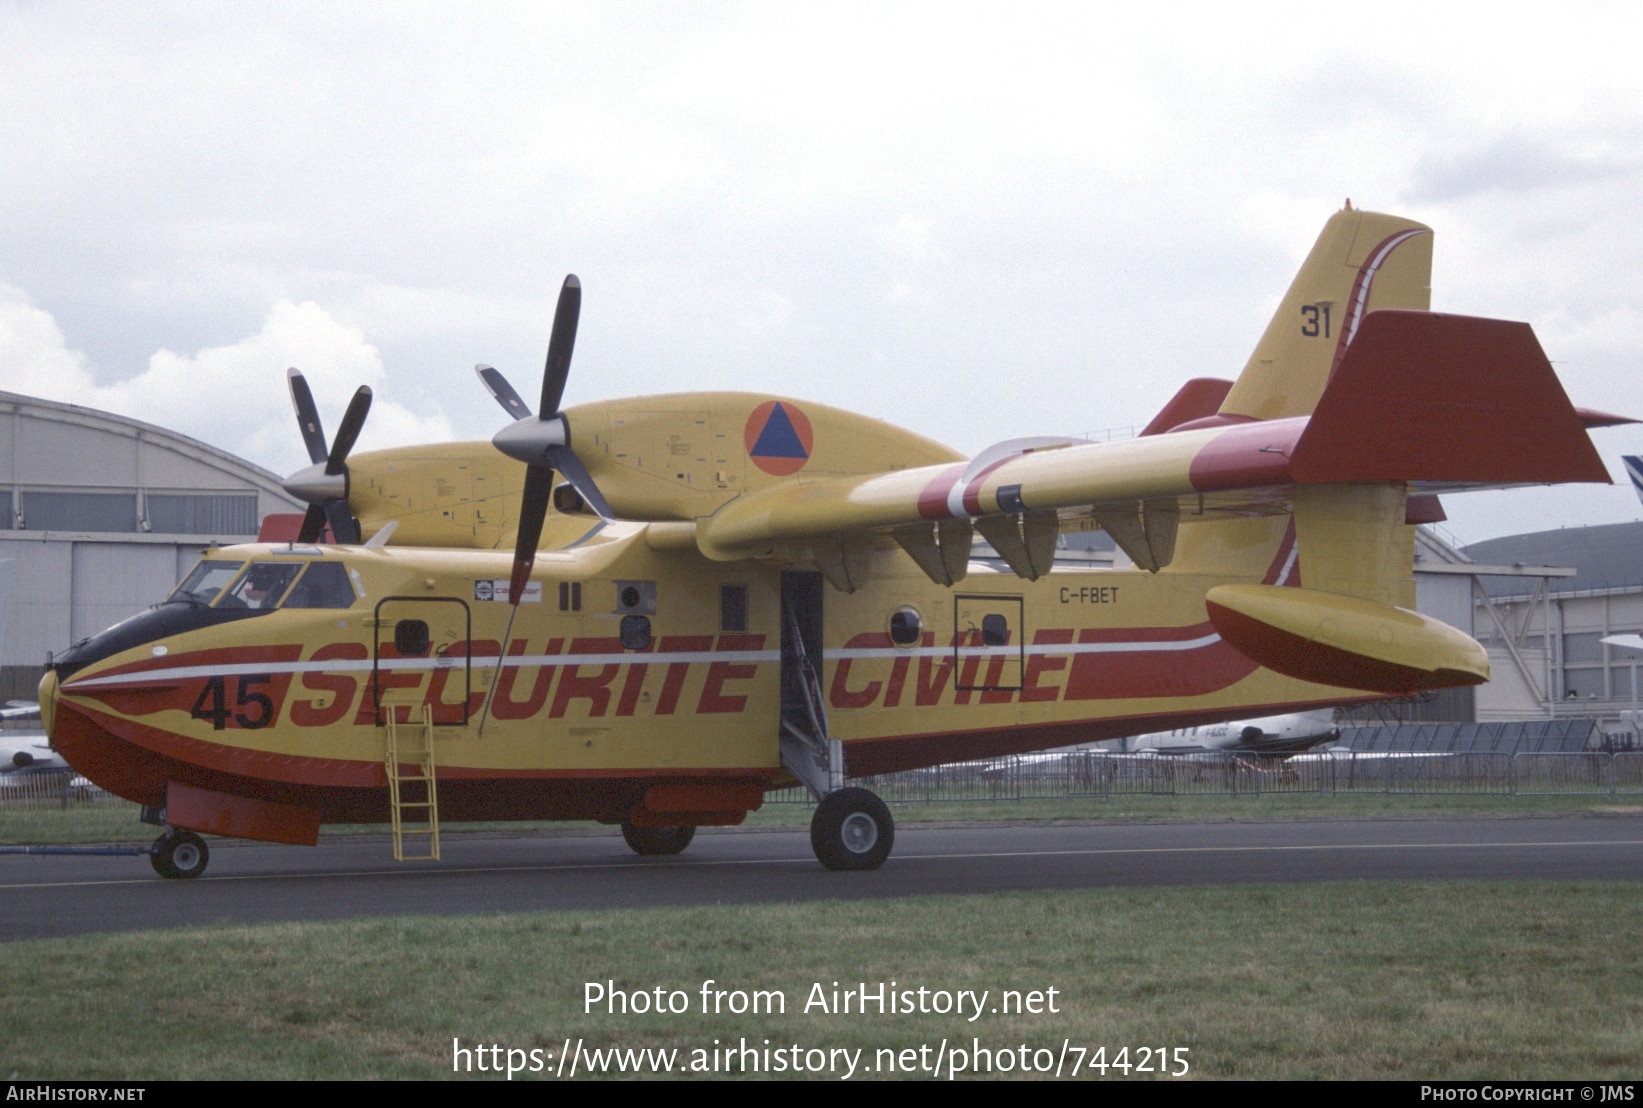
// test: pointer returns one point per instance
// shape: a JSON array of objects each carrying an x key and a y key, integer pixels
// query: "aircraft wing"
[
  {"x": 1440, "y": 402},
  {"x": 20, "y": 709}
]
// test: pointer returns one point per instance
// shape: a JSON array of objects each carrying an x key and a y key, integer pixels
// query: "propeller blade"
[
  {"x": 344, "y": 527},
  {"x": 302, "y": 399},
  {"x": 324, "y": 484},
  {"x": 560, "y": 345},
  {"x": 497, "y": 385},
  {"x": 533, "y": 509},
  {"x": 566, "y": 462},
  {"x": 352, "y": 420},
  {"x": 313, "y": 524}
]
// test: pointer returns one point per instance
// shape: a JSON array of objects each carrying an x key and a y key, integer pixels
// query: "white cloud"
[
  {"x": 34, "y": 358},
  {"x": 846, "y": 202},
  {"x": 234, "y": 396}
]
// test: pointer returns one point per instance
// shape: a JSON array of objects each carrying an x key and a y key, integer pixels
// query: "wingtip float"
[{"x": 649, "y": 612}]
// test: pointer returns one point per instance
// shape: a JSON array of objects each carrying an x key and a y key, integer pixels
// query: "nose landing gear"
[{"x": 179, "y": 854}]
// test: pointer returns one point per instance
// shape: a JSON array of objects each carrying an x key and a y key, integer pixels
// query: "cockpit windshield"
[
  {"x": 206, "y": 581},
  {"x": 261, "y": 586}
]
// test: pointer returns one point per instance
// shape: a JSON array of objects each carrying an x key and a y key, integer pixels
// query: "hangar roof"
[
  {"x": 1609, "y": 556},
  {"x": 64, "y": 468},
  {"x": 121, "y": 427}
]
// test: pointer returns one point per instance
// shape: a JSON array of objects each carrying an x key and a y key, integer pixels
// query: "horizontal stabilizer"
[
  {"x": 1199, "y": 398},
  {"x": 1591, "y": 418},
  {"x": 1445, "y": 398},
  {"x": 1346, "y": 641}
]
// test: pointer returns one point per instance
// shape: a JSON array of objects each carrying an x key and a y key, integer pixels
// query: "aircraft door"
[
  {"x": 808, "y": 750},
  {"x": 423, "y": 654},
  {"x": 802, "y": 705},
  {"x": 989, "y": 642}
]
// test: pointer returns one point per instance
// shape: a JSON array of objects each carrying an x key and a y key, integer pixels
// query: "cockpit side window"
[
  {"x": 261, "y": 586},
  {"x": 207, "y": 579},
  {"x": 324, "y": 585}
]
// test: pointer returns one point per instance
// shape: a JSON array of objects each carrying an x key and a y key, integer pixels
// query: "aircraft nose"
[{"x": 48, "y": 699}]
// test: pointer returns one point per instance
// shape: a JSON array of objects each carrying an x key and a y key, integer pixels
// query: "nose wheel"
[
  {"x": 852, "y": 830},
  {"x": 657, "y": 840},
  {"x": 179, "y": 854}
]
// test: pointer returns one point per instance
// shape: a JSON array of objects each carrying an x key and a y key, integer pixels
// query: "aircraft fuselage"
[{"x": 625, "y": 666}]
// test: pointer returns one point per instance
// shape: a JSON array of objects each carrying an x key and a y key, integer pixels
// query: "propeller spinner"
[
  {"x": 542, "y": 441},
  {"x": 325, "y": 483}
]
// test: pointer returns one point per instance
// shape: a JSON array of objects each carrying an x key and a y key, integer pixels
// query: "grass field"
[{"x": 1347, "y": 980}]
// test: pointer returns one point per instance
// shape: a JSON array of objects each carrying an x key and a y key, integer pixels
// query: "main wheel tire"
[
  {"x": 851, "y": 830},
  {"x": 657, "y": 840},
  {"x": 179, "y": 854}
]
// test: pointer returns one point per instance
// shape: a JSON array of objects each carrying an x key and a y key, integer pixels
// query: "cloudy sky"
[{"x": 977, "y": 223}]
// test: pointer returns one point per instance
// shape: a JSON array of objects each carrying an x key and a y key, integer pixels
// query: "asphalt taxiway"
[{"x": 45, "y": 896}]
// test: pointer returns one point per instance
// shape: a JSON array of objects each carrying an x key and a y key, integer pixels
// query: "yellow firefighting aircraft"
[{"x": 725, "y": 593}]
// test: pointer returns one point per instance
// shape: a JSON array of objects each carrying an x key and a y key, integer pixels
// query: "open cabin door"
[
  {"x": 808, "y": 750},
  {"x": 423, "y": 646}
]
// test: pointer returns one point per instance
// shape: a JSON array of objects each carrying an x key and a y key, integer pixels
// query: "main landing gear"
[
  {"x": 851, "y": 830},
  {"x": 178, "y": 853}
]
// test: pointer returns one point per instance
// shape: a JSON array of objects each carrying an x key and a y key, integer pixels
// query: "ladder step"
[{"x": 412, "y": 750}]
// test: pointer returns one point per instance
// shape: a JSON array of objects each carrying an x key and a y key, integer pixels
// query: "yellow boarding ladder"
[{"x": 411, "y": 785}]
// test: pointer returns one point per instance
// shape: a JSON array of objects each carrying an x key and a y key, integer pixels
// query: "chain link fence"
[
  {"x": 1096, "y": 775},
  {"x": 49, "y": 788}
]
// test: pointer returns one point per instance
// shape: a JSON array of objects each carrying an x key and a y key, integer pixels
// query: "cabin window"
[
  {"x": 635, "y": 632},
  {"x": 995, "y": 630},
  {"x": 905, "y": 627},
  {"x": 411, "y": 638},
  {"x": 732, "y": 609}
]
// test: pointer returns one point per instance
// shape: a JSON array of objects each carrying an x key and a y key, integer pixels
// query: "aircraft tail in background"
[{"x": 1634, "y": 470}]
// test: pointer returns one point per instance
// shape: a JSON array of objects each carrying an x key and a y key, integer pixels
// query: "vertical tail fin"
[
  {"x": 1634, "y": 470},
  {"x": 1352, "y": 538},
  {"x": 1362, "y": 262}
]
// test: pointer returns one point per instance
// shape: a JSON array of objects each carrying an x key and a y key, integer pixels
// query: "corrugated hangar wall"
[{"x": 100, "y": 516}]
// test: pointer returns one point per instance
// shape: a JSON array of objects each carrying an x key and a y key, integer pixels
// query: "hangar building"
[
  {"x": 100, "y": 516},
  {"x": 1544, "y": 630}
]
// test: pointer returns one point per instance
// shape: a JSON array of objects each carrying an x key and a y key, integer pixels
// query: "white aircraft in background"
[
  {"x": 1284, "y": 734},
  {"x": 1265, "y": 735},
  {"x": 26, "y": 751}
]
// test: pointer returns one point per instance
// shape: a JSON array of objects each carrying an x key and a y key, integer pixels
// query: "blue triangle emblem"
[{"x": 778, "y": 439}]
